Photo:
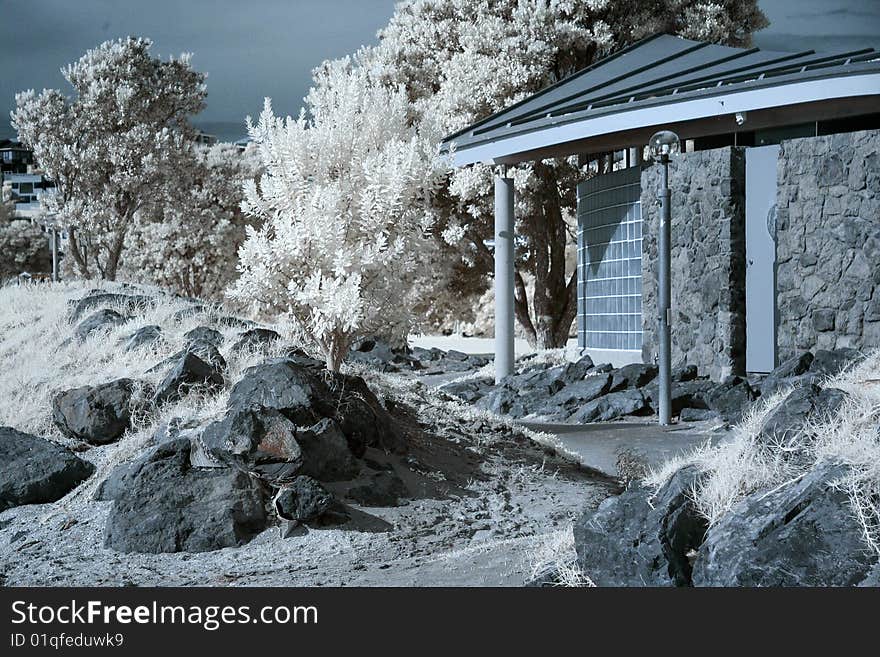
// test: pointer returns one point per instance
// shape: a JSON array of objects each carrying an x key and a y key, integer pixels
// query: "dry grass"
[
  {"x": 554, "y": 554},
  {"x": 850, "y": 436}
]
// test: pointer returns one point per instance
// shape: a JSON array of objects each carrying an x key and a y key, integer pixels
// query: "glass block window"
[{"x": 610, "y": 261}]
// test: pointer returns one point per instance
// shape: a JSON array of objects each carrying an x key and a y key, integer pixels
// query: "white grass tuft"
[{"x": 555, "y": 555}]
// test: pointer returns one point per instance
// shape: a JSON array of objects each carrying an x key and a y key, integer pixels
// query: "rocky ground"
[{"x": 225, "y": 456}]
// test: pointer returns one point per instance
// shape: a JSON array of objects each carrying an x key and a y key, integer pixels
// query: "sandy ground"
[{"x": 480, "y": 515}]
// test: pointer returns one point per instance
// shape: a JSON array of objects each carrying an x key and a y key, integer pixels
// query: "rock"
[
  {"x": 128, "y": 303},
  {"x": 779, "y": 378},
  {"x": 684, "y": 373},
  {"x": 234, "y": 322},
  {"x": 325, "y": 452},
  {"x": 189, "y": 311},
  {"x": 428, "y": 355},
  {"x": 384, "y": 489},
  {"x": 260, "y": 441},
  {"x": 498, "y": 401},
  {"x": 470, "y": 390},
  {"x": 114, "y": 484},
  {"x": 204, "y": 334},
  {"x": 143, "y": 337},
  {"x": 730, "y": 398},
  {"x": 101, "y": 321},
  {"x": 803, "y": 534},
  {"x": 307, "y": 394},
  {"x": 452, "y": 354},
  {"x": 255, "y": 338},
  {"x": 96, "y": 414},
  {"x": 169, "y": 506},
  {"x": 687, "y": 394},
  {"x": 36, "y": 471},
  {"x": 576, "y": 394},
  {"x": 809, "y": 403},
  {"x": 188, "y": 372},
  {"x": 641, "y": 538},
  {"x": 302, "y": 500},
  {"x": 635, "y": 375},
  {"x": 576, "y": 371},
  {"x": 610, "y": 406},
  {"x": 696, "y": 415},
  {"x": 833, "y": 362}
]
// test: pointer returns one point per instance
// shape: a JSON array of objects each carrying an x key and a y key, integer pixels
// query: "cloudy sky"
[{"x": 268, "y": 47}]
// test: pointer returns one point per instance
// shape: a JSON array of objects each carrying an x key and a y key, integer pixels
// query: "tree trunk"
[{"x": 77, "y": 250}]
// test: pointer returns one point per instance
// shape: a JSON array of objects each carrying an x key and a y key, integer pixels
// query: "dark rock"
[
  {"x": 635, "y": 375},
  {"x": 452, "y": 354},
  {"x": 610, "y": 407},
  {"x": 576, "y": 394},
  {"x": 603, "y": 368},
  {"x": 642, "y": 539},
  {"x": 470, "y": 390},
  {"x": 302, "y": 500},
  {"x": 204, "y": 334},
  {"x": 428, "y": 355},
  {"x": 36, "y": 471},
  {"x": 255, "y": 338},
  {"x": 731, "y": 398},
  {"x": 188, "y": 372},
  {"x": 795, "y": 366},
  {"x": 189, "y": 311},
  {"x": 128, "y": 303},
  {"x": 114, "y": 484},
  {"x": 325, "y": 452},
  {"x": 101, "y": 321},
  {"x": 384, "y": 489},
  {"x": 96, "y": 414},
  {"x": 833, "y": 362},
  {"x": 787, "y": 421},
  {"x": 169, "y": 506},
  {"x": 803, "y": 534},
  {"x": 260, "y": 441},
  {"x": 576, "y": 371},
  {"x": 380, "y": 355},
  {"x": 498, "y": 401},
  {"x": 696, "y": 414},
  {"x": 143, "y": 337},
  {"x": 234, "y": 322},
  {"x": 363, "y": 420},
  {"x": 684, "y": 373},
  {"x": 823, "y": 319},
  {"x": 687, "y": 394}
]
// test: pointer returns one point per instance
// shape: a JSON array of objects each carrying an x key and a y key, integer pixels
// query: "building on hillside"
[
  {"x": 25, "y": 191},
  {"x": 775, "y": 200},
  {"x": 14, "y": 157}
]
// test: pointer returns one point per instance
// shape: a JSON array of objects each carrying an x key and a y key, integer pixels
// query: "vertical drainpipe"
[
  {"x": 54, "y": 255},
  {"x": 503, "y": 275}
]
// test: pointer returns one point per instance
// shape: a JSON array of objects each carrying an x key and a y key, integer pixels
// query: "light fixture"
[
  {"x": 663, "y": 144},
  {"x": 740, "y": 117}
]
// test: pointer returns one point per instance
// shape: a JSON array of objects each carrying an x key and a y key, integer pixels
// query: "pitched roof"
[{"x": 659, "y": 70}]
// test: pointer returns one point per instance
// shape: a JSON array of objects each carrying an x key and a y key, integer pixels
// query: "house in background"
[
  {"x": 775, "y": 200},
  {"x": 14, "y": 157}
]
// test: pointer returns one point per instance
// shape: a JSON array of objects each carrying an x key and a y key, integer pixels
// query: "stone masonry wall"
[
  {"x": 828, "y": 243},
  {"x": 708, "y": 260}
]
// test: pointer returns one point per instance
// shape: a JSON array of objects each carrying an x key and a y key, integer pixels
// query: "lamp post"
[{"x": 662, "y": 145}]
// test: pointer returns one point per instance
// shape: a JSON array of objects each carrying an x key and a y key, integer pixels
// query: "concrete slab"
[{"x": 600, "y": 445}]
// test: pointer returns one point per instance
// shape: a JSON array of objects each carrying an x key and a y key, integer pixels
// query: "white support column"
[{"x": 504, "y": 232}]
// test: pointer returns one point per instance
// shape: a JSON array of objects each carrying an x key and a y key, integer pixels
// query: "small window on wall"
[{"x": 26, "y": 188}]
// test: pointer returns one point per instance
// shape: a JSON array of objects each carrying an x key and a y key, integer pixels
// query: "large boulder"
[
  {"x": 326, "y": 455},
  {"x": 802, "y": 405},
  {"x": 642, "y": 537},
  {"x": 730, "y": 398},
  {"x": 302, "y": 500},
  {"x": 255, "y": 338},
  {"x": 129, "y": 303},
  {"x": 685, "y": 394},
  {"x": 204, "y": 334},
  {"x": 611, "y": 406},
  {"x": 260, "y": 441},
  {"x": 577, "y": 370},
  {"x": 169, "y": 506},
  {"x": 144, "y": 337},
  {"x": 188, "y": 372},
  {"x": 802, "y": 534},
  {"x": 469, "y": 390},
  {"x": 787, "y": 373},
  {"x": 36, "y": 471},
  {"x": 567, "y": 400},
  {"x": 634, "y": 375},
  {"x": 99, "y": 322},
  {"x": 306, "y": 394},
  {"x": 96, "y": 414},
  {"x": 830, "y": 362}
]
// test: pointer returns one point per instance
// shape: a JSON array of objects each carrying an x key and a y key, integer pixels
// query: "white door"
[{"x": 761, "y": 258}]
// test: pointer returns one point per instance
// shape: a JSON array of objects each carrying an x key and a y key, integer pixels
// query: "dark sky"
[{"x": 257, "y": 48}]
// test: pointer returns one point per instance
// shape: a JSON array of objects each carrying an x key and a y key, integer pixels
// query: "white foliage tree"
[
  {"x": 344, "y": 205},
  {"x": 188, "y": 238},
  {"x": 112, "y": 146},
  {"x": 462, "y": 60}
]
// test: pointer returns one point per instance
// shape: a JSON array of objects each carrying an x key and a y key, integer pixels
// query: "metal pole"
[
  {"x": 503, "y": 276},
  {"x": 664, "y": 295},
  {"x": 54, "y": 255}
]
